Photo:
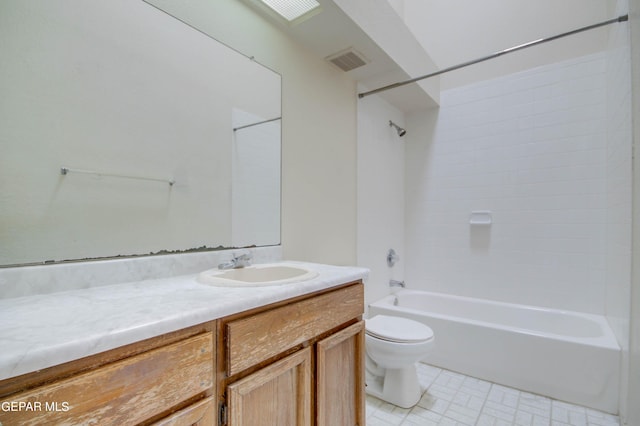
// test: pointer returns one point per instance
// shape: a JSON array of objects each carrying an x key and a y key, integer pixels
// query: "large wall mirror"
[{"x": 124, "y": 131}]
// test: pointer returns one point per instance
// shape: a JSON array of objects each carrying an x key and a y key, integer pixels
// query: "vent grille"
[{"x": 347, "y": 60}]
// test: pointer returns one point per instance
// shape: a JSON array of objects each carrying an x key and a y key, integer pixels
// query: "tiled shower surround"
[{"x": 530, "y": 147}]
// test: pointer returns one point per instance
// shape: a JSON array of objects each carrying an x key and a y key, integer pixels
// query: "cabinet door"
[
  {"x": 340, "y": 381},
  {"x": 279, "y": 394}
]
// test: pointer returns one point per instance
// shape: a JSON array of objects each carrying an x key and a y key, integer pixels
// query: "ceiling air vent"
[{"x": 347, "y": 60}]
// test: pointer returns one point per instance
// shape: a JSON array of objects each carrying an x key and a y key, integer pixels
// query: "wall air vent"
[{"x": 347, "y": 59}]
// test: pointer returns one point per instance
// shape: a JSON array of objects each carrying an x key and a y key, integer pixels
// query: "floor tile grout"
[{"x": 453, "y": 399}]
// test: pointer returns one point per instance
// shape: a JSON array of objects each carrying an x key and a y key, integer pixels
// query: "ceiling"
[
  {"x": 332, "y": 31},
  {"x": 454, "y": 31}
]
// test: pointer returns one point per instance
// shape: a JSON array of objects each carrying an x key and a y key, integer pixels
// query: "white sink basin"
[{"x": 257, "y": 275}]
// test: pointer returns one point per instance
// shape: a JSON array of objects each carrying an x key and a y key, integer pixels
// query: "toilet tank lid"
[{"x": 397, "y": 329}]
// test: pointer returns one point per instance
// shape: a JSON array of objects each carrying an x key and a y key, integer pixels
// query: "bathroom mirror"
[{"x": 124, "y": 131}]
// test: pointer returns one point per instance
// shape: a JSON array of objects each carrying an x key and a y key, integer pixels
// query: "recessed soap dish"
[{"x": 480, "y": 217}]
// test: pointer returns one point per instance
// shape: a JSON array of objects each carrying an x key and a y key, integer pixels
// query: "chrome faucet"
[
  {"x": 396, "y": 283},
  {"x": 237, "y": 262}
]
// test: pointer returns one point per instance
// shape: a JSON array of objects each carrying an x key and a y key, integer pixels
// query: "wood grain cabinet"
[
  {"x": 168, "y": 384},
  {"x": 340, "y": 380},
  {"x": 277, "y": 394},
  {"x": 298, "y": 363}
]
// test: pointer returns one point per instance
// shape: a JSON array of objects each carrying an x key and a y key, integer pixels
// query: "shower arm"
[{"x": 621, "y": 18}]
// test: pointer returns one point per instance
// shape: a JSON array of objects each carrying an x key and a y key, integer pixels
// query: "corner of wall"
[{"x": 381, "y": 192}]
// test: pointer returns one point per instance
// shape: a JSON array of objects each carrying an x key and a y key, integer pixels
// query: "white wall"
[
  {"x": 380, "y": 194},
  {"x": 633, "y": 413},
  {"x": 318, "y": 133},
  {"x": 619, "y": 154},
  {"x": 319, "y": 198},
  {"x": 531, "y": 148},
  {"x": 457, "y": 31}
]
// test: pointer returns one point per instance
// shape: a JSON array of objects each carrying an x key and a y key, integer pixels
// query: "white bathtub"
[{"x": 565, "y": 355}]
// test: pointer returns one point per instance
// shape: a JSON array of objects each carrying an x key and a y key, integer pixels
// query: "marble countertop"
[{"x": 41, "y": 331}]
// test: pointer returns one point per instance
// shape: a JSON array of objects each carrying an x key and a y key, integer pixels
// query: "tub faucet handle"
[
  {"x": 396, "y": 283},
  {"x": 392, "y": 258}
]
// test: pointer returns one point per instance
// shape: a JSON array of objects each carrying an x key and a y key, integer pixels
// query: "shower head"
[{"x": 400, "y": 130}]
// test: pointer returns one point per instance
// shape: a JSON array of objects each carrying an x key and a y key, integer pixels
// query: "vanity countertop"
[{"x": 41, "y": 331}]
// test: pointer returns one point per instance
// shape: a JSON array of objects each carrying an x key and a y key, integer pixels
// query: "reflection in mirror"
[
  {"x": 140, "y": 109},
  {"x": 255, "y": 212}
]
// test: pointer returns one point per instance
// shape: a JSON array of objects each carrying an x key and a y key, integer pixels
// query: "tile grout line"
[
  {"x": 534, "y": 405},
  {"x": 484, "y": 403}
]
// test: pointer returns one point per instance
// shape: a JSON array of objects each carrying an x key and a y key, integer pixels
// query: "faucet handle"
[
  {"x": 392, "y": 258},
  {"x": 243, "y": 256},
  {"x": 242, "y": 260}
]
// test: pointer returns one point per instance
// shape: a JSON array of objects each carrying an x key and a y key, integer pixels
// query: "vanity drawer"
[
  {"x": 202, "y": 413},
  {"x": 124, "y": 392},
  {"x": 261, "y": 336}
]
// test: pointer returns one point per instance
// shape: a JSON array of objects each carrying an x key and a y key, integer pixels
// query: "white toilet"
[{"x": 394, "y": 345}]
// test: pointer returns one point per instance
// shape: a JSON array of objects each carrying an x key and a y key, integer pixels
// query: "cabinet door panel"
[
  {"x": 279, "y": 394},
  {"x": 340, "y": 380}
]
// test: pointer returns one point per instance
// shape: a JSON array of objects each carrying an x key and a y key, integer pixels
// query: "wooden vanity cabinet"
[
  {"x": 340, "y": 393},
  {"x": 168, "y": 380},
  {"x": 300, "y": 362},
  {"x": 297, "y": 362}
]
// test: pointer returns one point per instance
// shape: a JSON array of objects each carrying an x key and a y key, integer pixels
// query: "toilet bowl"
[{"x": 393, "y": 346}]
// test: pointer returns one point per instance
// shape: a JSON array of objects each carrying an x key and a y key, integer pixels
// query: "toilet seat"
[{"x": 397, "y": 329}]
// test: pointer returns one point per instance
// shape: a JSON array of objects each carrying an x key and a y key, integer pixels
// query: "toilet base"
[{"x": 398, "y": 386}]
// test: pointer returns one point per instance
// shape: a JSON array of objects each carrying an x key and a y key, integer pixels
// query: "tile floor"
[{"x": 453, "y": 399}]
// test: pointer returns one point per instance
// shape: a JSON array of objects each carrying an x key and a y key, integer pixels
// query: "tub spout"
[{"x": 396, "y": 283}]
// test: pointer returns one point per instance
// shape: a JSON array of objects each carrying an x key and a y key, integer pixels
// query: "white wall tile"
[
  {"x": 619, "y": 190},
  {"x": 532, "y": 148}
]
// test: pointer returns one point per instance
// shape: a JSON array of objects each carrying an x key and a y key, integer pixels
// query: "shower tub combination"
[{"x": 570, "y": 356}]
